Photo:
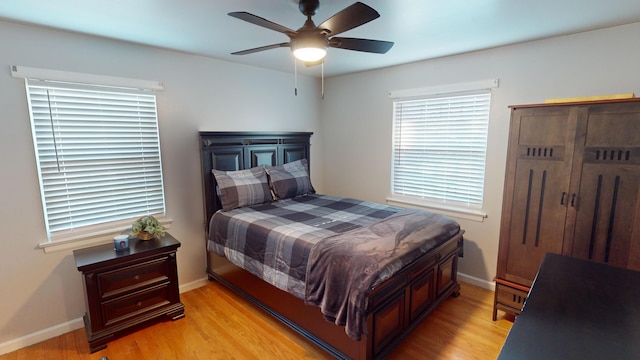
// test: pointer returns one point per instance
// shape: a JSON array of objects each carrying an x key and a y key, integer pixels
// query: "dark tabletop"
[{"x": 578, "y": 309}]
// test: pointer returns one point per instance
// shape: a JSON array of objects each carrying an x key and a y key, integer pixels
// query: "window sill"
[
  {"x": 92, "y": 237},
  {"x": 449, "y": 210}
]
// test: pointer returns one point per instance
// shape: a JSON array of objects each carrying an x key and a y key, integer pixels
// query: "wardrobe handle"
[
  {"x": 573, "y": 200},
  {"x": 564, "y": 194}
]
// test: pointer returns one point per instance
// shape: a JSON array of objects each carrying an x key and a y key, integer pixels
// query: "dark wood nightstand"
[{"x": 125, "y": 291}]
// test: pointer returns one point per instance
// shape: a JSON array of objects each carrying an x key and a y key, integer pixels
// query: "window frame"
[
  {"x": 102, "y": 86},
  {"x": 455, "y": 209}
]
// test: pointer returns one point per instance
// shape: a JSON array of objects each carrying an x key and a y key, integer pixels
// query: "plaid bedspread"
[{"x": 273, "y": 241}]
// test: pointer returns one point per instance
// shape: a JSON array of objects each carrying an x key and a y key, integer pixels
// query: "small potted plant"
[{"x": 147, "y": 228}]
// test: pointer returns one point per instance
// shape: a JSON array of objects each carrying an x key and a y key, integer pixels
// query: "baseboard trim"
[
  {"x": 193, "y": 285},
  {"x": 472, "y": 280},
  {"x": 42, "y": 335}
]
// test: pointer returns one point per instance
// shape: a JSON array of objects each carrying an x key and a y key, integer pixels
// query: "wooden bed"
[{"x": 395, "y": 307}]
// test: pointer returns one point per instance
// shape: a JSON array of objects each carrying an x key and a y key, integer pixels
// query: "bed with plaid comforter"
[{"x": 273, "y": 240}]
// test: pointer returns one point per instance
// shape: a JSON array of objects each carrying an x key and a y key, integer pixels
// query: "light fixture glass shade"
[
  {"x": 310, "y": 54},
  {"x": 309, "y": 47}
]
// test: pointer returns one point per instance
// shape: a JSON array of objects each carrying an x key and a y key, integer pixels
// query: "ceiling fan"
[{"x": 310, "y": 42}]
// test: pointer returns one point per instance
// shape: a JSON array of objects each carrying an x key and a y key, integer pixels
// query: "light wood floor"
[{"x": 221, "y": 325}]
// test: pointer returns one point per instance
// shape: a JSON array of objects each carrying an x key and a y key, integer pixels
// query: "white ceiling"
[{"x": 421, "y": 29}]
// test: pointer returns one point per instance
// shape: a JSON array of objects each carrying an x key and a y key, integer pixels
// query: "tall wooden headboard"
[{"x": 230, "y": 151}]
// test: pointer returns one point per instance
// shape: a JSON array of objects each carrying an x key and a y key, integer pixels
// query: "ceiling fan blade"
[
  {"x": 261, "y": 48},
  {"x": 257, "y": 20},
  {"x": 366, "y": 45},
  {"x": 349, "y": 18}
]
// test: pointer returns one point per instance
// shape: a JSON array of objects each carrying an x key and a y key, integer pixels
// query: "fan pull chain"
[
  {"x": 322, "y": 80},
  {"x": 295, "y": 77}
]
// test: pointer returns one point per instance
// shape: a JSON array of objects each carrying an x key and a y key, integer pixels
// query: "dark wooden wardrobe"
[{"x": 572, "y": 187}]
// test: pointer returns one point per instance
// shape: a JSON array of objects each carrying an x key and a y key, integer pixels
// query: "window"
[
  {"x": 439, "y": 150},
  {"x": 98, "y": 156}
]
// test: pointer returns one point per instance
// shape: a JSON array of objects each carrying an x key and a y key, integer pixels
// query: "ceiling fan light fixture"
[
  {"x": 310, "y": 54},
  {"x": 309, "y": 48},
  {"x": 310, "y": 42}
]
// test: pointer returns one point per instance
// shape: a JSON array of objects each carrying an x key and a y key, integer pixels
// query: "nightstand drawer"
[
  {"x": 131, "y": 278},
  {"x": 133, "y": 305}
]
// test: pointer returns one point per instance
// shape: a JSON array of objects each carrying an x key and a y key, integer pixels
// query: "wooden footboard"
[{"x": 395, "y": 307}]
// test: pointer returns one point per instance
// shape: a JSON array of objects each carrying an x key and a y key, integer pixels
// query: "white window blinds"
[
  {"x": 439, "y": 148},
  {"x": 98, "y": 154}
]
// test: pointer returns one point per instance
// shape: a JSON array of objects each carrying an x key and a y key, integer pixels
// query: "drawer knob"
[
  {"x": 137, "y": 277},
  {"x": 139, "y": 304}
]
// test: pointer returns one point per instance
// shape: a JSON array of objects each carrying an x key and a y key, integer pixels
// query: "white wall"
[
  {"x": 40, "y": 291},
  {"x": 356, "y": 114}
]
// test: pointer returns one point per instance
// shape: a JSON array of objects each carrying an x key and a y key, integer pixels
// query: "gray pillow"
[
  {"x": 242, "y": 188},
  {"x": 290, "y": 180}
]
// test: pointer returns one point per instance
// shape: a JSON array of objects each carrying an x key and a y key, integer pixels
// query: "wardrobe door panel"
[
  {"x": 538, "y": 217},
  {"x": 615, "y": 126},
  {"x": 609, "y": 188},
  {"x": 606, "y": 213},
  {"x": 536, "y": 190}
]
